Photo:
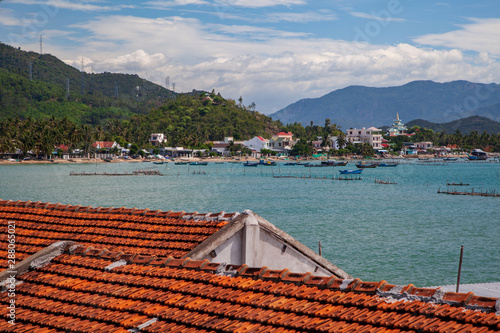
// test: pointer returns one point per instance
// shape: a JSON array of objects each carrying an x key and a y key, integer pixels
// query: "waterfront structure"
[
  {"x": 157, "y": 139},
  {"x": 409, "y": 148},
  {"x": 426, "y": 145},
  {"x": 397, "y": 128},
  {"x": 256, "y": 144},
  {"x": 370, "y": 135},
  {"x": 86, "y": 284},
  {"x": 282, "y": 142}
]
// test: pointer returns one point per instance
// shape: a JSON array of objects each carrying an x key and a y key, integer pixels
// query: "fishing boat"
[
  {"x": 450, "y": 159},
  {"x": 219, "y": 162},
  {"x": 267, "y": 163},
  {"x": 198, "y": 163},
  {"x": 478, "y": 155},
  {"x": 181, "y": 163},
  {"x": 158, "y": 162},
  {"x": 364, "y": 165},
  {"x": 351, "y": 172},
  {"x": 386, "y": 165},
  {"x": 291, "y": 163},
  {"x": 341, "y": 163},
  {"x": 250, "y": 164}
]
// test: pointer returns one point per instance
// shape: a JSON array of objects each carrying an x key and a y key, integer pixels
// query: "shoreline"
[{"x": 208, "y": 159}]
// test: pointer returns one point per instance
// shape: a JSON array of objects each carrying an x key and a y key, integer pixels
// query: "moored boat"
[
  {"x": 388, "y": 165},
  {"x": 351, "y": 172},
  {"x": 363, "y": 165},
  {"x": 267, "y": 163},
  {"x": 250, "y": 164},
  {"x": 198, "y": 163},
  {"x": 478, "y": 155}
]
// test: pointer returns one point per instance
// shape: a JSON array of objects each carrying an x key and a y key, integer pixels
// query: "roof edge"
[
  {"x": 265, "y": 224},
  {"x": 38, "y": 259}
]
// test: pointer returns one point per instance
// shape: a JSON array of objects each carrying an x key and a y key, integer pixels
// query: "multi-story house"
[{"x": 371, "y": 135}]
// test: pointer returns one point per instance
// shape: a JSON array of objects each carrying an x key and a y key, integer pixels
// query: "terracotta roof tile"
[{"x": 117, "y": 229}]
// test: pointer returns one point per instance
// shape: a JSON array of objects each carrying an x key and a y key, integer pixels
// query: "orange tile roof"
[
  {"x": 140, "y": 231},
  {"x": 79, "y": 291}
]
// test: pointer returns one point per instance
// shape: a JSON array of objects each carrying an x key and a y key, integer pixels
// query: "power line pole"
[
  {"x": 67, "y": 87},
  {"x": 173, "y": 86}
]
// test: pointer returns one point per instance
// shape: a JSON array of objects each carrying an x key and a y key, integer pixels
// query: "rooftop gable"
[{"x": 88, "y": 290}]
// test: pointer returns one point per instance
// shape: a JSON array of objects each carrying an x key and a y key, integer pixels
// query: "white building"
[
  {"x": 371, "y": 135},
  {"x": 282, "y": 142},
  {"x": 256, "y": 144},
  {"x": 424, "y": 145},
  {"x": 157, "y": 139}
]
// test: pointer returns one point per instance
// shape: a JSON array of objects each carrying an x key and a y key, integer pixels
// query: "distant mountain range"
[
  {"x": 465, "y": 125},
  {"x": 359, "y": 106}
]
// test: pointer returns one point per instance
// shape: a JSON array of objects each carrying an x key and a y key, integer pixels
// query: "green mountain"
[
  {"x": 36, "y": 104},
  {"x": 464, "y": 125},
  {"x": 40, "y": 86},
  {"x": 358, "y": 106}
]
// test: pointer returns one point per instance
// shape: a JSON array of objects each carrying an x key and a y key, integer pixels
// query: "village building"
[
  {"x": 104, "y": 149},
  {"x": 256, "y": 144},
  {"x": 397, "y": 128},
  {"x": 94, "y": 269},
  {"x": 176, "y": 152},
  {"x": 222, "y": 147},
  {"x": 157, "y": 139},
  {"x": 423, "y": 146},
  {"x": 282, "y": 143},
  {"x": 371, "y": 135}
]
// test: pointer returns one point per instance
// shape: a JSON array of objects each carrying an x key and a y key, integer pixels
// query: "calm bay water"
[{"x": 403, "y": 233}]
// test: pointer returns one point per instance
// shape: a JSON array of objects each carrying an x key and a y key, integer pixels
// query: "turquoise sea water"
[{"x": 403, "y": 233}]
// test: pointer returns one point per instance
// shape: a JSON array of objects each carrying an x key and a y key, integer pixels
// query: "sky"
[{"x": 270, "y": 52}]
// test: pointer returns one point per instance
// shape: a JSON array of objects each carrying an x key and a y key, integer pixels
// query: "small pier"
[
  {"x": 133, "y": 173},
  {"x": 479, "y": 194},
  {"x": 385, "y": 182}
]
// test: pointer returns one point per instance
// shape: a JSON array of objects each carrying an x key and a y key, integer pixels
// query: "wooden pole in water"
[
  {"x": 319, "y": 245},
  {"x": 460, "y": 266}
]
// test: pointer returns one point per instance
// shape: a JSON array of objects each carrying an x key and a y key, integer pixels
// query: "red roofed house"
[
  {"x": 282, "y": 142},
  {"x": 256, "y": 144},
  {"x": 104, "y": 148}
]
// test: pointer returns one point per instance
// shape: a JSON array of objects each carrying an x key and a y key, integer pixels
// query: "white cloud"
[
  {"x": 377, "y": 17},
  {"x": 170, "y": 4},
  {"x": 482, "y": 35},
  {"x": 71, "y": 5},
  {"x": 7, "y": 18},
  {"x": 273, "y": 71},
  {"x": 258, "y": 3},
  {"x": 303, "y": 17}
]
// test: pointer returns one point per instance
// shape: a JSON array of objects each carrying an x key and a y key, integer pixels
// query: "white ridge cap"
[{"x": 115, "y": 264}]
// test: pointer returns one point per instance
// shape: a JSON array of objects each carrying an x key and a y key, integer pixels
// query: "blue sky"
[{"x": 271, "y": 52}]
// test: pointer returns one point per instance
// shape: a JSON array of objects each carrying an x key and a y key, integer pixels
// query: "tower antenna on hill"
[
  {"x": 173, "y": 86},
  {"x": 67, "y": 87},
  {"x": 167, "y": 82},
  {"x": 82, "y": 83},
  {"x": 41, "y": 43}
]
